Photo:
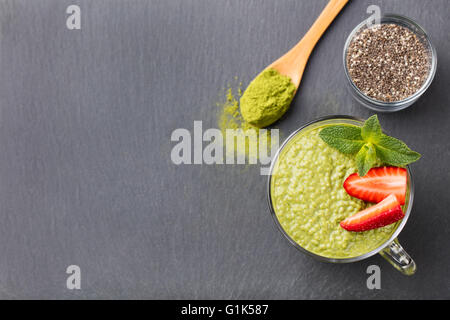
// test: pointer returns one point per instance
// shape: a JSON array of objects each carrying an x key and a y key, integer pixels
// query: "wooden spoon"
[{"x": 293, "y": 63}]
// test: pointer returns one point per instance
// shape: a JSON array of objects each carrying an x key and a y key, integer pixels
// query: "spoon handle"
[
  {"x": 322, "y": 23},
  {"x": 293, "y": 63}
]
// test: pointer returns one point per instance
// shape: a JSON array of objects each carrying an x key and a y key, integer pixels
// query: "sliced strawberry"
[
  {"x": 377, "y": 184},
  {"x": 379, "y": 215}
]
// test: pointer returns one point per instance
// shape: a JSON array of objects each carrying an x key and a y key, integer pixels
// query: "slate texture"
[{"x": 85, "y": 171}]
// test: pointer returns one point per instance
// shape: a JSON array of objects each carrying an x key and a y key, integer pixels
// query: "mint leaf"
[
  {"x": 395, "y": 152},
  {"x": 369, "y": 144},
  {"x": 345, "y": 138},
  {"x": 366, "y": 158},
  {"x": 371, "y": 130}
]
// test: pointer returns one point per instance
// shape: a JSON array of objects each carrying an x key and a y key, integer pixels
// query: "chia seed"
[{"x": 388, "y": 62}]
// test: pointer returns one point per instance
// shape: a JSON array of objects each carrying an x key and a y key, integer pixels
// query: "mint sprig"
[
  {"x": 371, "y": 130},
  {"x": 366, "y": 158},
  {"x": 395, "y": 152},
  {"x": 368, "y": 143},
  {"x": 347, "y": 139}
]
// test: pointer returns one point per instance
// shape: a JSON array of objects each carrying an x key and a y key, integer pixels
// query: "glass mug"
[{"x": 391, "y": 249}]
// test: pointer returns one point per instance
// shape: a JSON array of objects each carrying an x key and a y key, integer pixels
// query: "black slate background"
[{"x": 85, "y": 170}]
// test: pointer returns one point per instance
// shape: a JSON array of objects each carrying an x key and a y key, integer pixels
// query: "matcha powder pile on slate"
[
  {"x": 229, "y": 117},
  {"x": 267, "y": 98},
  {"x": 388, "y": 62}
]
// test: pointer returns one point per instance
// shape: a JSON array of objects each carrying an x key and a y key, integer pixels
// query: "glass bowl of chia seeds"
[{"x": 390, "y": 65}]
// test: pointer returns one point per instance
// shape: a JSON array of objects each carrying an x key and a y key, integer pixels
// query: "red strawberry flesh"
[
  {"x": 382, "y": 214},
  {"x": 377, "y": 184}
]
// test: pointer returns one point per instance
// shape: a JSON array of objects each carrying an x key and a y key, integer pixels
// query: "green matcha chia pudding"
[{"x": 309, "y": 200}]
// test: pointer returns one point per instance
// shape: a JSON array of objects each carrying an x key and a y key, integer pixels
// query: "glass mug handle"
[{"x": 397, "y": 256}]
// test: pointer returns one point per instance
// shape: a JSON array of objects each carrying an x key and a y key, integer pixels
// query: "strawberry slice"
[
  {"x": 377, "y": 184},
  {"x": 386, "y": 212}
]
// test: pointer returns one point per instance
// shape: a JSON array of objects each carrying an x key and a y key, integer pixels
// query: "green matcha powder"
[{"x": 267, "y": 98}]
